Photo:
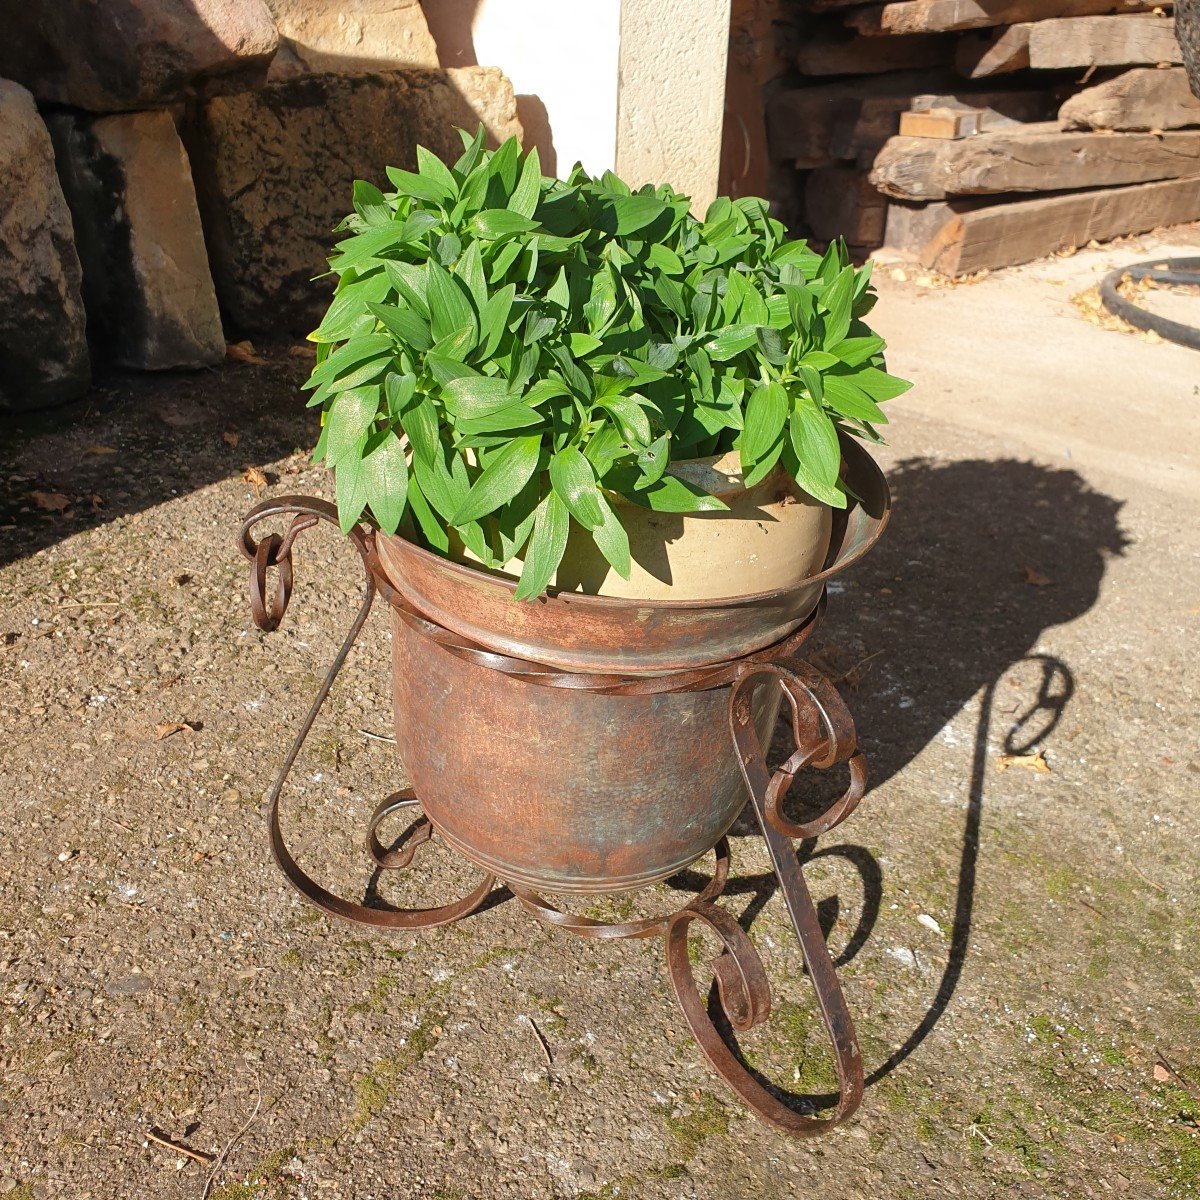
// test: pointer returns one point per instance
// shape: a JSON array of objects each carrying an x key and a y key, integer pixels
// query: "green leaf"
[
  {"x": 432, "y": 168},
  {"x": 811, "y": 378},
  {"x": 572, "y": 478},
  {"x": 630, "y": 416},
  {"x": 445, "y": 370},
  {"x": 470, "y": 271},
  {"x": 766, "y": 415},
  {"x": 449, "y": 308},
  {"x": 879, "y": 385},
  {"x": 411, "y": 284},
  {"x": 352, "y": 354},
  {"x": 399, "y": 390},
  {"x": 653, "y": 461},
  {"x": 494, "y": 223},
  {"x": 583, "y": 344},
  {"x": 432, "y": 529},
  {"x": 506, "y": 473},
  {"x": 838, "y": 300},
  {"x": 385, "y": 478},
  {"x": 771, "y": 345},
  {"x": 444, "y": 481},
  {"x": 847, "y": 399},
  {"x": 731, "y": 341},
  {"x": 457, "y": 345},
  {"x": 420, "y": 424},
  {"x": 602, "y": 301},
  {"x": 364, "y": 246},
  {"x": 423, "y": 187},
  {"x": 349, "y": 307},
  {"x": 350, "y": 418},
  {"x": 349, "y": 485},
  {"x": 548, "y": 543},
  {"x": 674, "y": 495},
  {"x": 477, "y": 395},
  {"x": 665, "y": 259},
  {"x": 559, "y": 292},
  {"x": 820, "y": 360},
  {"x": 524, "y": 199},
  {"x": 856, "y": 350},
  {"x": 626, "y": 214},
  {"x": 613, "y": 541},
  {"x": 473, "y": 149},
  {"x": 406, "y": 324},
  {"x": 515, "y": 416},
  {"x": 493, "y": 319},
  {"x": 764, "y": 466},
  {"x": 369, "y": 203},
  {"x": 801, "y": 305},
  {"x": 447, "y": 248},
  {"x": 815, "y": 442},
  {"x": 546, "y": 389}
]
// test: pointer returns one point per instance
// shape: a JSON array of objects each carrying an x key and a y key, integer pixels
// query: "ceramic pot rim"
[{"x": 861, "y": 472}]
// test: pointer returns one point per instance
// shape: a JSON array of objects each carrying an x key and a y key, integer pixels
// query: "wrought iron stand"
[{"x": 824, "y": 736}]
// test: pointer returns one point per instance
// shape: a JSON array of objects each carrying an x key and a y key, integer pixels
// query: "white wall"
[{"x": 566, "y": 53}]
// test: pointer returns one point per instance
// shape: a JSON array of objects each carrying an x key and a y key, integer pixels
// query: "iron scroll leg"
[
  {"x": 276, "y": 551},
  {"x": 824, "y": 735}
]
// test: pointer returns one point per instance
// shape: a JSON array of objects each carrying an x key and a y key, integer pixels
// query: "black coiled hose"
[{"x": 1175, "y": 272}]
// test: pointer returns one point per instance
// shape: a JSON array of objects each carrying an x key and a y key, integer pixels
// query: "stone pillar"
[{"x": 671, "y": 105}]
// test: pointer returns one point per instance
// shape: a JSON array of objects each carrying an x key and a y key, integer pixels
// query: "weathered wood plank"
[
  {"x": 877, "y": 118},
  {"x": 980, "y": 55},
  {"x": 911, "y": 227},
  {"x": 1144, "y": 98},
  {"x": 829, "y": 54},
  {"x": 801, "y": 121},
  {"x": 1102, "y": 42},
  {"x": 1039, "y": 158},
  {"x": 840, "y": 202},
  {"x": 944, "y": 16},
  {"x": 1004, "y": 235}
]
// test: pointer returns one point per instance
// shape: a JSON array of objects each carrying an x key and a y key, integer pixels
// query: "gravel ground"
[{"x": 1018, "y": 946}]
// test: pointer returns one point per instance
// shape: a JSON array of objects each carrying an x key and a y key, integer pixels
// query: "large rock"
[
  {"x": 146, "y": 282},
  {"x": 352, "y": 37},
  {"x": 274, "y": 170},
  {"x": 43, "y": 341},
  {"x": 113, "y": 55}
]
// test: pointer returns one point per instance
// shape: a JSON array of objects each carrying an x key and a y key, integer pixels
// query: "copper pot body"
[{"x": 573, "y": 790}]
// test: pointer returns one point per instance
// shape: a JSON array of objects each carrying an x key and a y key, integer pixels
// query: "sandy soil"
[{"x": 1019, "y": 947}]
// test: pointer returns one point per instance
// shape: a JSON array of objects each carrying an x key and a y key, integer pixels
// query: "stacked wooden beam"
[{"x": 976, "y": 134}]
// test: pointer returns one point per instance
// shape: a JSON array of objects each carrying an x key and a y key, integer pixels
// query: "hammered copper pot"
[{"x": 571, "y": 790}]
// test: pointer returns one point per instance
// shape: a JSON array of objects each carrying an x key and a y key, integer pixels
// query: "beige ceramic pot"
[{"x": 772, "y": 536}]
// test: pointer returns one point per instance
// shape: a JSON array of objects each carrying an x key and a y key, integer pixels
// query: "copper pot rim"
[{"x": 852, "y": 449}]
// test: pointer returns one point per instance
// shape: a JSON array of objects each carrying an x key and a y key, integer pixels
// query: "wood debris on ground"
[
  {"x": 1029, "y": 762},
  {"x": 256, "y": 479},
  {"x": 52, "y": 502},
  {"x": 166, "y": 729},
  {"x": 244, "y": 352}
]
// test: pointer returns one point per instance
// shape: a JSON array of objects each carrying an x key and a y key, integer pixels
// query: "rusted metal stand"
[{"x": 824, "y": 736}]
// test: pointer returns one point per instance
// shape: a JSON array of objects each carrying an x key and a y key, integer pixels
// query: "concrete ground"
[{"x": 1019, "y": 946}]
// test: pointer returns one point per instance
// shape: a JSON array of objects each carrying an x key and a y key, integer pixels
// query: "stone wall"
[{"x": 171, "y": 170}]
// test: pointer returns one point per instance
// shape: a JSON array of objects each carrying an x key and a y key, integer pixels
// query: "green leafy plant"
[{"x": 506, "y": 354}]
